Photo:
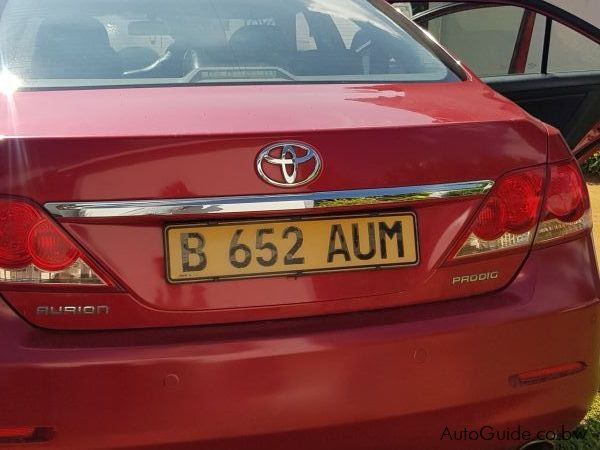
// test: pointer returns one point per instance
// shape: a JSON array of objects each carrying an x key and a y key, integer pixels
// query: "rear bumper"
[{"x": 386, "y": 379}]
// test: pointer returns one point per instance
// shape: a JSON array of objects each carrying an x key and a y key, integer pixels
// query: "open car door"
[{"x": 542, "y": 57}]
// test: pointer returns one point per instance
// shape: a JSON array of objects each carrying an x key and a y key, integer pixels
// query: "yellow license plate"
[{"x": 269, "y": 248}]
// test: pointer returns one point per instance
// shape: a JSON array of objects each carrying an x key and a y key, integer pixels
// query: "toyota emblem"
[{"x": 288, "y": 164}]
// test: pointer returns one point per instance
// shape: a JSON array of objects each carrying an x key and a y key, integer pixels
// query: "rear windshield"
[{"x": 99, "y": 43}]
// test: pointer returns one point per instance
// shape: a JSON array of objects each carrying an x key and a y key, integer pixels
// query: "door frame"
[
  {"x": 591, "y": 140},
  {"x": 539, "y": 6}
]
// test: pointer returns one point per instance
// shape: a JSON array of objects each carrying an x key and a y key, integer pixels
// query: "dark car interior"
[
  {"x": 124, "y": 39},
  {"x": 75, "y": 48}
]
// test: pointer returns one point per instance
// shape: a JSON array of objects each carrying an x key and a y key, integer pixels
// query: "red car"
[{"x": 291, "y": 224}]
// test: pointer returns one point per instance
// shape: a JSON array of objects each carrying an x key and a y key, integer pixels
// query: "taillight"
[
  {"x": 567, "y": 207},
  {"x": 49, "y": 249},
  {"x": 16, "y": 219},
  {"x": 35, "y": 250},
  {"x": 509, "y": 216}
]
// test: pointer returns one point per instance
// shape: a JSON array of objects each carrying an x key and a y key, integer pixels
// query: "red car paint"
[
  {"x": 355, "y": 360},
  {"x": 175, "y": 157},
  {"x": 395, "y": 377},
  {"x": 398, "y": 375}
]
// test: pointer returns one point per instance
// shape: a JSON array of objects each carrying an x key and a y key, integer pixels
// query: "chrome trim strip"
[{"x": 268, "y": 203}]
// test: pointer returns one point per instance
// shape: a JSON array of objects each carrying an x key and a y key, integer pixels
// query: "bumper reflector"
[
  {"x": 23, "y": 435},
  {"x": 547, "y": 374},
  {"x": 17, "y": 433}
]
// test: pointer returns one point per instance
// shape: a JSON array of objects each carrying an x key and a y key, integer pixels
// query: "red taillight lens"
[
  {"x": 566, "y": 193},
  {"x": 35, "y": 250},
  {"x": 522, "y": 194},
  {"x": 491, "y": 221},
  {"x": 508, "y": 216},
  {"x": 567, "y": 208},
  {"x": 16, "y": 220},
  {"x": 49, "y": 249},
  {"x": 27, "y": 238}
]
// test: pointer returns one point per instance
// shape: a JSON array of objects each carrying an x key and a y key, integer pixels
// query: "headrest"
[
  {"x": 258, "y": 38},
  {"x": 74, "y": 47}
]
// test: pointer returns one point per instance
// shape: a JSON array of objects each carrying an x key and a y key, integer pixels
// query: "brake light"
[
  {"x": 508, "y": 218},
  {"x": 510, "y": 215},
  {"x": 35, "y": 250},
  {"x": 49, "y": 249},
  {"x": 16, "y": 219},
  {"x": 567, "y": 207}
]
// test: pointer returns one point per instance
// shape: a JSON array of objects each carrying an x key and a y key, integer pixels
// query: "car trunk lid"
[{"x": 179, "y": 144}]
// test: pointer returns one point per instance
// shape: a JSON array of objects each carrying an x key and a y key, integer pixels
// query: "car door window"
[
  {"x": 572, "y": 52},
  {"x": 496, "y": 40},
  {"x": 485, "y": 37},
  {"x": 536, "y": 46}
]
